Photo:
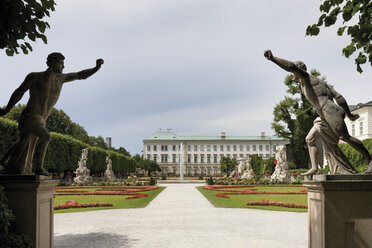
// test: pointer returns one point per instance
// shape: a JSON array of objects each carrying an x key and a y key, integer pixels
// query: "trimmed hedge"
[
  {"x": 64, "y": 152},
  {"x": 355, "y": 158}
]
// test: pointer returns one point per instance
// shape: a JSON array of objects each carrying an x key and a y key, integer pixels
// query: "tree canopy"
[
  {"x": 21, "y": 20},
  {"x": 360, "y": 32},
  {"x": 227, "y": 165},
  {"x": 293, "y": 119}
]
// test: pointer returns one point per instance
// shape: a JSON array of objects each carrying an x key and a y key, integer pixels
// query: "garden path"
[{"x": 181, "y": 217}]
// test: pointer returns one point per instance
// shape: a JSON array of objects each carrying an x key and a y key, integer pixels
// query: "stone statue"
[
  {"x": 281, "y": 173},
  {"x": 330, "y": 126},
  {"x": 248, "y": 173},
  {"x": 82, "y": 172},
  {"x": 109, "y": 172},
  {"x": 44, "y": 88}
]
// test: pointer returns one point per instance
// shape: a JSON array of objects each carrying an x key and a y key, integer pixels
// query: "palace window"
[
  {"x": 195, "y": 147},
  {"x": 148, "y": 148},
  {"x": 155, "y": 158},
  {"x": 208, "y": 171},
  {"x": 174, "y": 158},
  {"x": 360, "y": 128},
  {"x": 228, "y": 148},
  {"x": 260, "y": 148},
  {"x": 188, "y": 148},
  {"x": 208, "y": 158},
  {"x": 248, "y": 148},
  {"x": 241, "y": 148},
  {"x": 155, "y": 146},
  {"x": 221, "y": 147},
  {"x": 195, "y": 158},
  {"x": 274, "y": 148},
  {"x": 164, "y": 158},
  {"x": 202, "y": 148},
  {"x": 188, "y": 159},
  {"x": 174, "y": 148},
  {"x": 267, "y": 148},
  {"x": 254, "y": 148},
  {"x": 202, "y": 159},
  {"x": 215, "y": 158},
  {"x": 164, "y": 148},
  {"x": 208, "y": 148},
  {"x": 215, "y": 148}
]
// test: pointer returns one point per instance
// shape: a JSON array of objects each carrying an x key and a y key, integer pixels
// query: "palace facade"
[
  {"x": 200, "y": 155},
  {"x": 362, "y": 127}
]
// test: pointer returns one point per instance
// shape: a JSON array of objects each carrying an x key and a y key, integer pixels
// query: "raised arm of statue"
[
  {"x": 341, "y": 101},
  {"x": 84, "y": 73},
  {"x": 285, "y": 64},
  {"x": 17, "y": 94}
]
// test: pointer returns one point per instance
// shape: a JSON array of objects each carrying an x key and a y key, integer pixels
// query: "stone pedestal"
[
  {"x": 30, "y": 198},
  {"x": 340, "y": 211}
]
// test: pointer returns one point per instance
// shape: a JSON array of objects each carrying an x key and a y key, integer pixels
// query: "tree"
[
  {"x": 361, "y": 33},
  {"x": 21, "y": 19},
  {"x": 227, "y": 165},
  {"x": 293, "y": 119}
]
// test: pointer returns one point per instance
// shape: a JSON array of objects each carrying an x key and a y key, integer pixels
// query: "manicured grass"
[
  {"x": 118, "y": 201},
  {"x": 240, "y": 201}
]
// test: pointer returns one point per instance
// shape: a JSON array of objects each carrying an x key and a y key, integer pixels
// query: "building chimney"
[
  {"x": 223, "y": 135},
  {"x": 262, "y": 134},
  {"x": 108, "y": 142}
]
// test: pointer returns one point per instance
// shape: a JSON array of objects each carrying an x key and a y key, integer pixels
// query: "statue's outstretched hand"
[
  {"x": 268, "y": 54},
  {"x": 99, "y": 62}
]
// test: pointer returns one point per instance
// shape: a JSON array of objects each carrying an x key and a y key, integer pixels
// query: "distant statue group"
[
  {"x": 281, "y": 173},
  {"x": 82, "y": 172}
]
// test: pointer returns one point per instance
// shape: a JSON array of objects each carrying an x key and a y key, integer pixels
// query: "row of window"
[
  {"x": 360, "y": 129},
  {"x": 164, "y": 158},
  {"x": 195, "y": 170},
  {"x": 215, "y": 148}
]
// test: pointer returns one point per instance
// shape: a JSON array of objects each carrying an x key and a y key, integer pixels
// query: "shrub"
[
  {"x": 210, "y": 181},
  {"x": 152, "y": 181},
  {"x": 9, "y": 237}
]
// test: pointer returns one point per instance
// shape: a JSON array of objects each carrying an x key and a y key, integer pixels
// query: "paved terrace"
[{"x": 181, "y": 217}]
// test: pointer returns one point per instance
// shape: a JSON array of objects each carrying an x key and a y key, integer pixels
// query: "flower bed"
[
  {"x": 250, "y": 190},
  {"x": 133, "y": 192},
  {"x": 75, "y": 204},
  {"x": 277, "y": 204}
]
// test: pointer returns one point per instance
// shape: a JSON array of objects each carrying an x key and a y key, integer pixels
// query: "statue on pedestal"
[
  {"x": 281, "y": 173},
  {"x": 330, "y": 126},
  {"x": 82, "y": 172},
  {"x": 109, "y": 173},
  {"x": 45, "y": 88},
  {"x": 248, "y": 173}
]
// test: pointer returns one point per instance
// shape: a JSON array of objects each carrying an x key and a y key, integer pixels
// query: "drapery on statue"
[
  {"x": 44, "y": 88},
  {"x": 330, "y": 125}
]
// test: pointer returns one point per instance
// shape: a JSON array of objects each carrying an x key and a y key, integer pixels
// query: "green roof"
[{"x": 169, "y": 135}]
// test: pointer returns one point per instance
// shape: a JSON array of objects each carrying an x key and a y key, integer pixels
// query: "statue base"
[
  {"x": 340, "y": 213},
  {"x": 30, "y": 198}
]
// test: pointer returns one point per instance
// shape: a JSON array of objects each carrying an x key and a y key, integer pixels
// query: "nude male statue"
[
  {"x": 44, "y": 88},
  {"x": 330, "y": 125}
]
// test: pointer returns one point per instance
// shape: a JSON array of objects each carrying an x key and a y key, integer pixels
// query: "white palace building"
[
  {"x": 200, "y": 155},
  {"x": 362, "y": 127}
]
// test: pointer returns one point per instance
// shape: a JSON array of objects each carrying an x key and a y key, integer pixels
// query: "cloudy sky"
[{"x": 194, "y": 66}]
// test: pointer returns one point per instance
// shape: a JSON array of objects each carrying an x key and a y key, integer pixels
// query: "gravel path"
[{"x": 181, "y": 217}]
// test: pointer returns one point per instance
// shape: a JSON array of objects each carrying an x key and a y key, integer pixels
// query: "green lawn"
[
  {"x": 118, "y": 201},
  {"x": 240, "y": 201}
]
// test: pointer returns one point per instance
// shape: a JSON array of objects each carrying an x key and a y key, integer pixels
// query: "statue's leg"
[
  {"x": 314, "y": 151},
  {"x": 44, "y": 139}
]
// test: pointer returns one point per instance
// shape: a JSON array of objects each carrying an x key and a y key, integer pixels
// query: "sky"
[{"x": 194, "y": 66}]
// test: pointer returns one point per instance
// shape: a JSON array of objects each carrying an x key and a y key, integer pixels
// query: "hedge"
[
  {"x": 64, "y": 152},
  {"x": 355, "y": 158}
]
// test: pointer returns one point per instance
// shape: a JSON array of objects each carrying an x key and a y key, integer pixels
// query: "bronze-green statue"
[{"x": 44, "y": 88}]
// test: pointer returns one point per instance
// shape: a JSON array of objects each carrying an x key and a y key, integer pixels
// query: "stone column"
[
  {"x": 340, "y": 211},
  {"x": 30, "y": 198}
]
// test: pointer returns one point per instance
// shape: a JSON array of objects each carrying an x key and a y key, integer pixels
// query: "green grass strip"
[
  {"x": 240, "y": 201},
  {"x": 118, "y": 201}
]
